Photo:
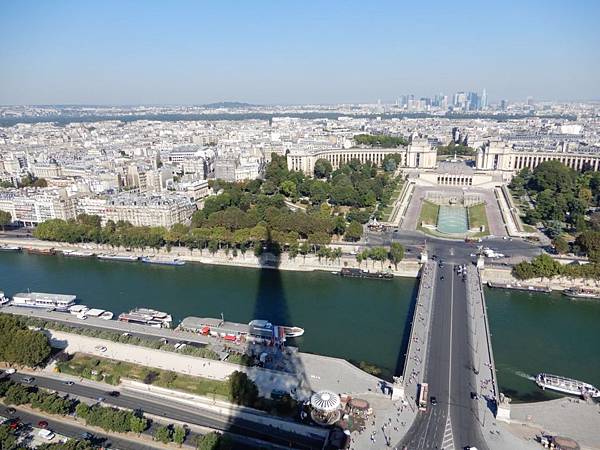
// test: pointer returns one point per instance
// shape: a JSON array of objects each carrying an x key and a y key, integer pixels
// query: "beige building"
[
  {"x": 418, "y": 154},
  {"x": 500, "y": 156},
  {"x": 154, "y": 211},
  {"x": 33, "y": 207}
]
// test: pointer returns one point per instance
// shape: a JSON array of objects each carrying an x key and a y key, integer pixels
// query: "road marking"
[
  {"x": 448, "y": 423},
  {"x": 448, "y": 441},
  {"x": 450, "y": 340}
]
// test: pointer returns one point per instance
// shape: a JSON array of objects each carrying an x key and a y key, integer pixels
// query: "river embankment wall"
[
  {"x": 504, "y": 275},
  {"x": 301, "y": 263}
]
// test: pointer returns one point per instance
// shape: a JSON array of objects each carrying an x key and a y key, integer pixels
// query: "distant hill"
[{"x": 229, "y": 105}]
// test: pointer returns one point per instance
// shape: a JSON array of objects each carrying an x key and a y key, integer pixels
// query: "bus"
[{"x": 423, "y": 390}]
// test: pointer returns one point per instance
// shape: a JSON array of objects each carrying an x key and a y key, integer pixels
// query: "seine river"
[{"x": 359, "y": 320}]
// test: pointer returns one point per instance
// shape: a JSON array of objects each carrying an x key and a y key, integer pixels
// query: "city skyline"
[{"x": 134, "y": 53}]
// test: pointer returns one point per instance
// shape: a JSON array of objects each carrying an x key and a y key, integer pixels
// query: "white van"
[{"x": 46, "y": 434}]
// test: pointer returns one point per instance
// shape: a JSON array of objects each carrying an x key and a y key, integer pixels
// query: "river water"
[{"x": 354, "y": 319}]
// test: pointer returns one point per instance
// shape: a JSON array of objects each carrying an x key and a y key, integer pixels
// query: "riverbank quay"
[
  {"x": 503, "y": 275},
  {"x": 568, "y": 417},
  {"x": 301, "y": 263},
  {"x": 305, "y": 371},
  {"x": 393, "y": 419}
]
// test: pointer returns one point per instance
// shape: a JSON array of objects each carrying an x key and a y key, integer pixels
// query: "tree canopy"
[
  {"x": 20, "y": 345},
  {"x": 379, "y": 140}
]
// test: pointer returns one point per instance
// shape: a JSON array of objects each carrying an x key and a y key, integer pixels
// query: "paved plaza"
[{"x": 495, "y": 221}]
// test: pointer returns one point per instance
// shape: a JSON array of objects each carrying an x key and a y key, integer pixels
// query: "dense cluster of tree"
[
  {"x": 214, "y": 441},
  {"x": 112, "y": 419},
  {"x": 455, "y": 149},
  {"x": 170, "y": 433},
  {"x": 253, "y": 214},
  {"x": 544, "y": 266},
  {"x": 20, "y": 345},
  {"x": 380, "y": 140},
  {"x": 243, "y": 390},
  {"x": 561, "y": 196}
]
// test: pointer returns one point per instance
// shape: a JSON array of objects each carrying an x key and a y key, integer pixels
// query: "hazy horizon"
[{"x": 130, "y": 53}]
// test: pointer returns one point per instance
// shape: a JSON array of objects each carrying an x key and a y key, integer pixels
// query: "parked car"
[{"x": 46, "y": 434}]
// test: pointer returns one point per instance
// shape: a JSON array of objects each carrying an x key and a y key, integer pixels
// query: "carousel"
[{"x": 325, "y": 407}]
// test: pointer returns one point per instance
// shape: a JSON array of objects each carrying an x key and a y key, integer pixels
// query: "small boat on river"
[
  {"x": 163, "y": 262},
  {"x": 582, "y": 293},
  {"x": 349, "y": 272},
  {"x": 112, "y": 257},
  {"x": 519, "y": 287},
  {"x": 9, "y": 248},
  {"x": 566, "y": 385},
  {"x": 78, "y": 254}
]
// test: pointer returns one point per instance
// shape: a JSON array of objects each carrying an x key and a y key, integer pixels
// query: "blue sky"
[{"x": 191, "y": 52}]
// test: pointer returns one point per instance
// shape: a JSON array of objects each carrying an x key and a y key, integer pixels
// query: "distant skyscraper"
[{"x": 484, "y": 100}]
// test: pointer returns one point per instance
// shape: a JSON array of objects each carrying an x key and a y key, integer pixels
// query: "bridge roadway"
[{"x": 453, "y": 422}]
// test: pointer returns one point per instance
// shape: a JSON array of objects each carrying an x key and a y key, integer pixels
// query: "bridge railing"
[
  {"x": 422, "y": 307},
  {"x": 478, "y": 294}
]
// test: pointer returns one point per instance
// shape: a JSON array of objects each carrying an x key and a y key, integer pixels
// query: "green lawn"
[
  {"x": 111, "y": 371},
  {"x": 478, "y": 217},
  {"x": 387, "y": 211},
  {"x": 429, "y": 213}
]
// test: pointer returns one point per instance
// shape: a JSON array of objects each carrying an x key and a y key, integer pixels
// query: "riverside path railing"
[
  {"x": 481, "y": 333},
  {"x": 415, "y": 358}
]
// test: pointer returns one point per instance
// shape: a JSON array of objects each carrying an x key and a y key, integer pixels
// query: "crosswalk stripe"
[{"x": 448, "y": 441}]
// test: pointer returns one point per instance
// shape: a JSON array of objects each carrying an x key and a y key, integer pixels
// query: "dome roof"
[{"x": 325, "y": 401}]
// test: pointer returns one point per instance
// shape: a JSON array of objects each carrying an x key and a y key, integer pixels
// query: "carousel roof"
[{"x": 325, "y": 401}]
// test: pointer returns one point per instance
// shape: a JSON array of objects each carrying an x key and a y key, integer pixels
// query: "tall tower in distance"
[{"x": 484, "y": 100}]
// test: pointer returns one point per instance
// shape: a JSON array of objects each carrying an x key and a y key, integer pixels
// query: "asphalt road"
[
  {"x": 453, "y": 422},
  {"x": 182, "y": 413},
  {"x": 456, "y": 251}
]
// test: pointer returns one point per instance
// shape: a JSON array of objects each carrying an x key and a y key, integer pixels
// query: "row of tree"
[
  {"x": 380, "y": 140},
  {"x": 20, "y": 345},
  {"x": 544, "y": 266},
  {"x": 109, "y": 419},
  {"x": 395, "y": 254},
  {"x": 112, "y": 419}
]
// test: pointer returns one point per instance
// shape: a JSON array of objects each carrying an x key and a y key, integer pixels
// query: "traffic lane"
[
  {"x": 428, "y": 429},
  {"x": 463, "y": 409},
  {"x": 181, "y": 413}
]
